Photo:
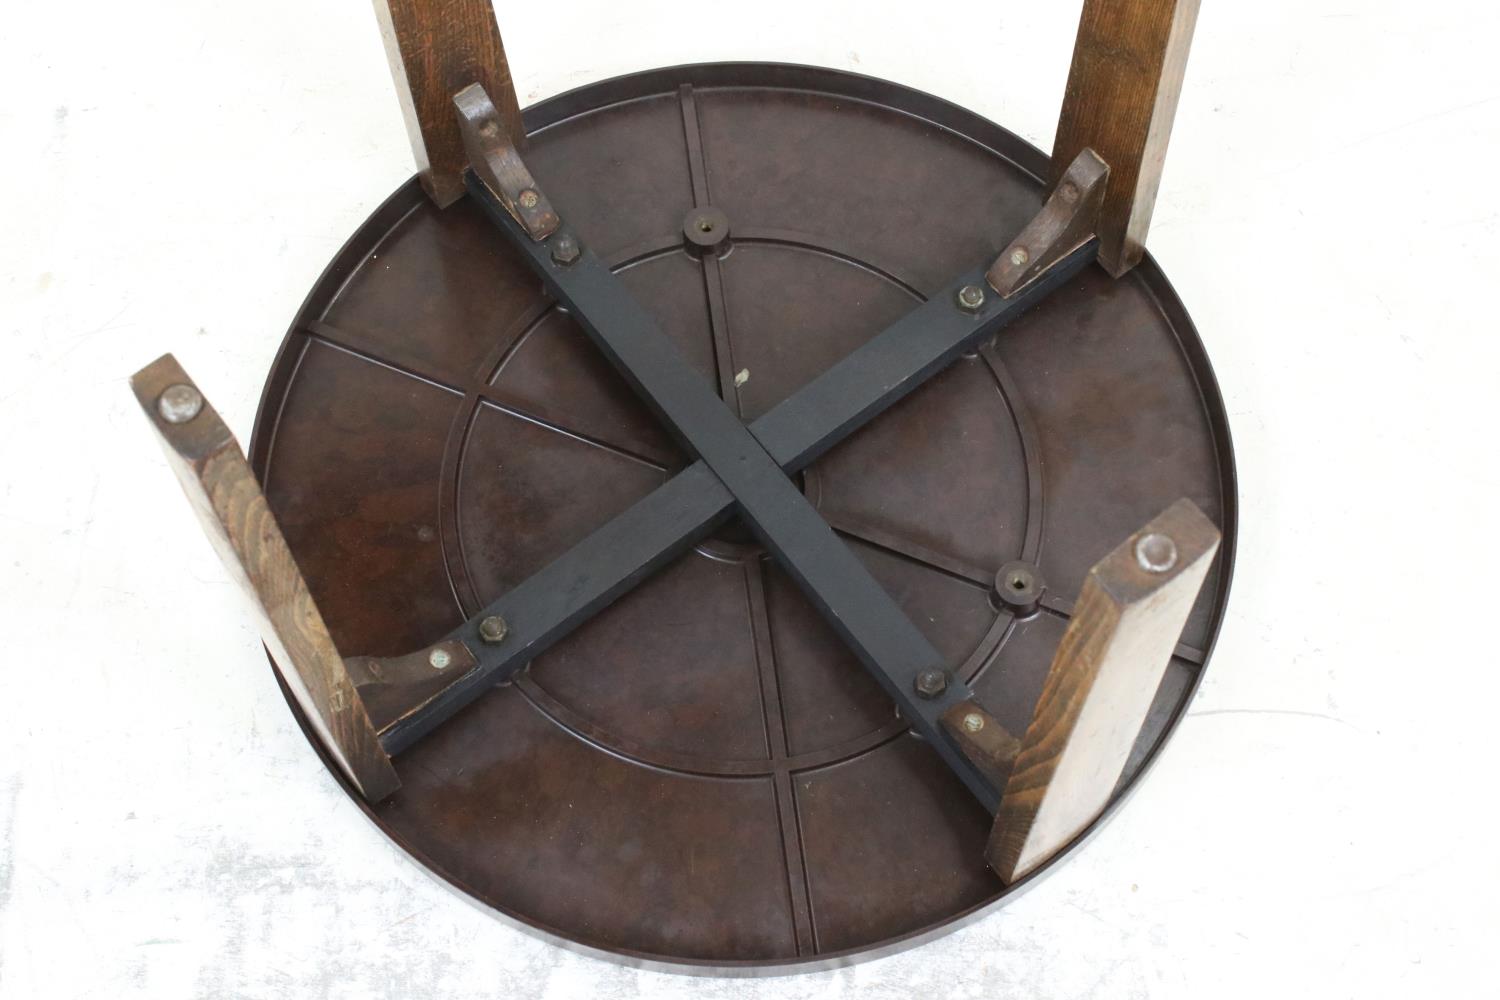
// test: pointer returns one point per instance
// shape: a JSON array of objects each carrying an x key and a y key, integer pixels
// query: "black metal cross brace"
[
  {"x": 740, "y": 469},
  {"x": 612, "y": 559}
]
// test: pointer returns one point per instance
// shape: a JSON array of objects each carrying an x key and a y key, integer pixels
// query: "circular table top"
[{"x": 703, "y": 774}]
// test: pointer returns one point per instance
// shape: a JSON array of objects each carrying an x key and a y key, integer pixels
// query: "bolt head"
[
  {"x": 1068, "y": 192},
  {"x": 440, "y": 659},
  {"x": 1155, "y": 552},
  {"x": 528, "y": 198},
  {"x": 493, "y": 629},
  {"x": 179, "y": 403},
  {"x": 931, "y": 683},
  {"x": 565, "y": 249},
  {"x": 1020, "y": 256},
  {"x": 970, "y": 298},
  {"x": 973, "y": 722}
]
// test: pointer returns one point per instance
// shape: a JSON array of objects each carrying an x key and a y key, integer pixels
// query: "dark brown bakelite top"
[{"x": 703, "y": 773}]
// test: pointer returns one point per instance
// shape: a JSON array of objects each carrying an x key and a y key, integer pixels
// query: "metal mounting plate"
[{"x": 702, "y": 774}]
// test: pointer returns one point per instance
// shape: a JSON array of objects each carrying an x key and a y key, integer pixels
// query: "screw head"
[
  {"x": 1155, "y": 552},
  {"x": 1018, "y": 586},
  {"x": 493, "y": 629},
  {"x": 705, "y": 229},
  {"x": 931, "y": 683},
  {"x": 1068, "y": 192},
  {"x": 1020, "y": 256},
  {"x": 439, "y": 659},
  {"x": 565, "y": 249},
  {"x": 179, "y": 403},
  {"x": 528, "y": 198},
  {"x": 970, "y": 298},
  {"x": 973, "y": 722}
]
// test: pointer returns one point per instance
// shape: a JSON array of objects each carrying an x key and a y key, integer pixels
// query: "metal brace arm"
[
  {"x": 895, "y": 652},
  {"x": 524, "y": 622}
]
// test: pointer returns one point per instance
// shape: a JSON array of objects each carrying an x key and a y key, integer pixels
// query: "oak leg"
[
  {"x": 1128, "y": 65},
  {"x": 229, "y": 501},
  {"x": 1100, "y": 687},
  {"x": 437, "y": 48}
]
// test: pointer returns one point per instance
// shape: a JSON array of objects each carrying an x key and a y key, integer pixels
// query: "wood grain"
[
  {"x": 496, "y": 162},
  {"x": 1069, "y": 219},
  {"x": 229, "y": 501},
  {"x": 437, "y": 48},
  {"x": 1098, "y": 691},
  {"x": 1128, "y": 65},
  {"x": 981, "y": 738},
  {"x": 395, "y": 687}
]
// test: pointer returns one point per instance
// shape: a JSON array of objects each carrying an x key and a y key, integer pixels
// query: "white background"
[{"x": 175, "y": 176}]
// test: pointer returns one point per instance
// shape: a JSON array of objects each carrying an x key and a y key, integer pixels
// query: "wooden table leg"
[
  {"x": 229, "y": 501},
  {"x": 1100, "y": 687},
  {"x": 437, "y": 48},
  {"x": 1128, "y": 65}
]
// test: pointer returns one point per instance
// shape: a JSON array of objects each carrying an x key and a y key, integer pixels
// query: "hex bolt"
[
  {"x": 493, "y": 629},
  {"x": 1020, "y": 256},
  {"x": 439, "y": 659},
  {"x": 931, "y": 683},
  {"x": 1156, "y": 553},
  {"x": 528, "y": 198},
  {"x": 970, "y": 298},
  {"x": 973, "y": 722},
  {"x": 565, "y": 249},
  {"x": 179, "y": 403}
]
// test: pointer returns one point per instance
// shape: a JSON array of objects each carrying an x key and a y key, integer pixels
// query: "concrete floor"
[{"x": 176, "y": 175}]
